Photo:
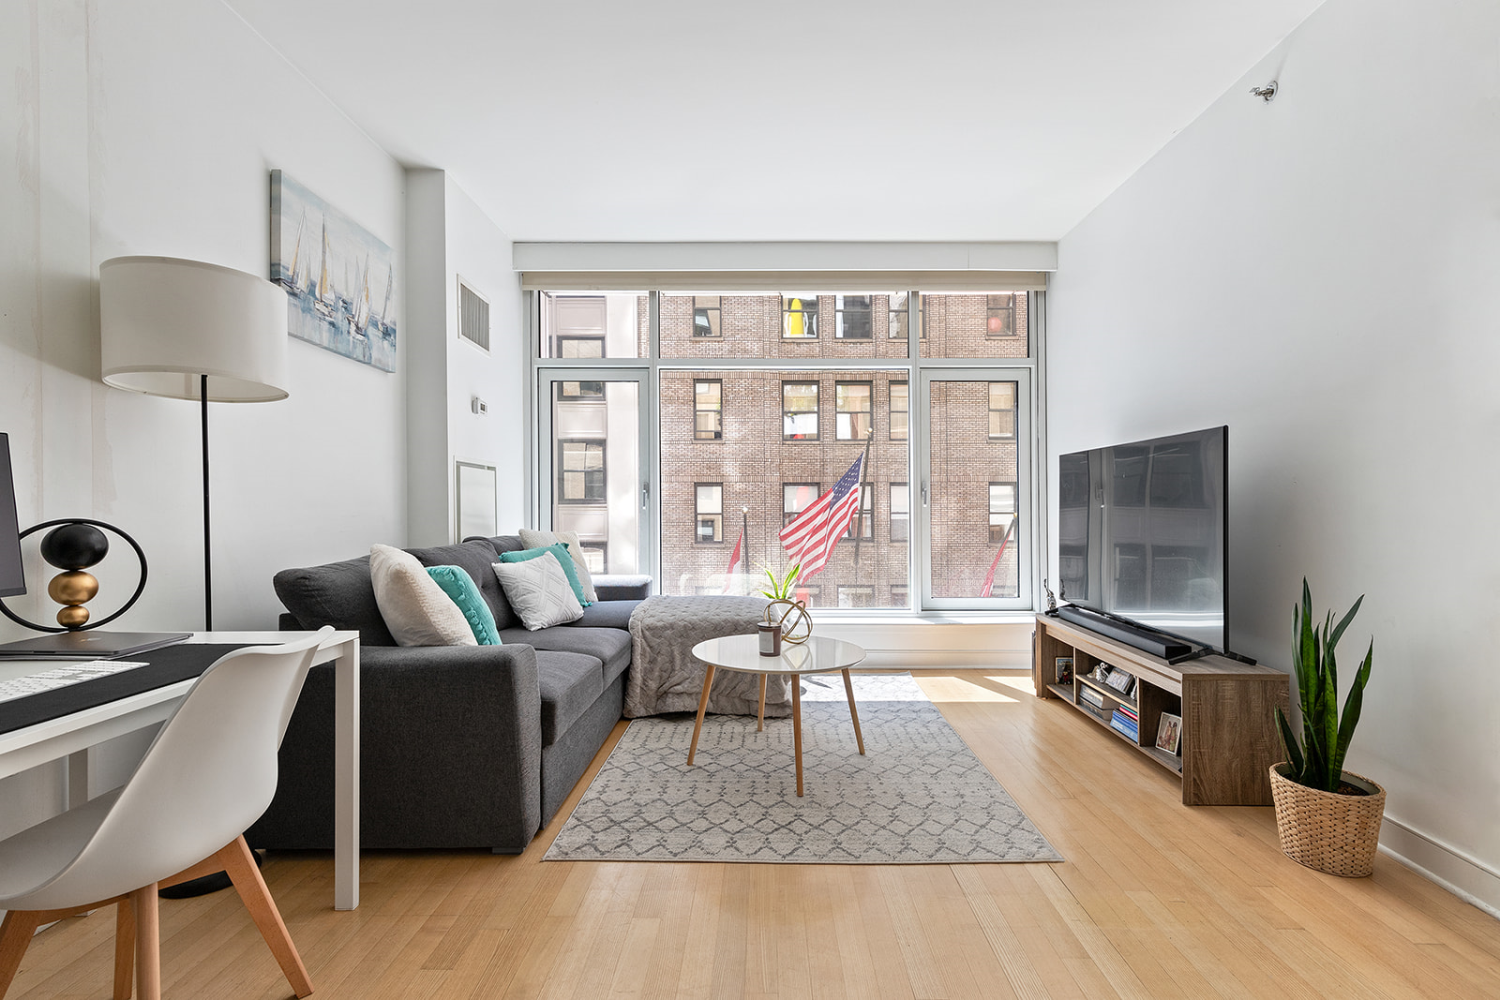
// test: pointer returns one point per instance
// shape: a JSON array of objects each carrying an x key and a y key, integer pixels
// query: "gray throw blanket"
[{"x": 665, "y": 677}]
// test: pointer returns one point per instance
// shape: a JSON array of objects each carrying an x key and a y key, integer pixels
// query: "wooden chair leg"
[
  {"x": 248, "y": 882},
  {"x": 147, "y": 942},
  {"x": 15, "y": 935},
  {"x": 124, "y": 949}
]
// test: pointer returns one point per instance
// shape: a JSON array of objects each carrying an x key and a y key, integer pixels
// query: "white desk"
[{"x": 71, "y": 735}]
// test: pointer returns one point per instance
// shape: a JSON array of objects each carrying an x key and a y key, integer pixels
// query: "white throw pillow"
[
  {"x": 539, "y": 591},
  {"x": 414, "y": 607},
  {"x": 541, "y": 539}
]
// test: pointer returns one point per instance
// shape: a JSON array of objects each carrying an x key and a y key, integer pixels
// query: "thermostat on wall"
[{"x": 479, "y": 406}]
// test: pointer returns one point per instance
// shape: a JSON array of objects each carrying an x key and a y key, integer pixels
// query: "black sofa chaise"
[{"x": 460, "y": 746}]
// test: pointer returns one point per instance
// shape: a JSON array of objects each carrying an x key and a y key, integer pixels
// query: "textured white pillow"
[
  {"x": 541, "y": 539},
  {"x": 539, "y": 591},
  {"x": 414, "y": 607}
]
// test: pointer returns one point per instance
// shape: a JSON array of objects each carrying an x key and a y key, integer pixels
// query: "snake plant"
[
  {"x": 1318, "y": 761},
  {"x": 781, "y": 589}
]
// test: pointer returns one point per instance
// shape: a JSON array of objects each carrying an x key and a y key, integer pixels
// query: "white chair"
[{"x": 209, "y": 774}]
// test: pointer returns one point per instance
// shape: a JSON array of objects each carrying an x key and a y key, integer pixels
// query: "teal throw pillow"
[
  {"x": 464, "y": 592},
  {"x": 560, "y": 553}
]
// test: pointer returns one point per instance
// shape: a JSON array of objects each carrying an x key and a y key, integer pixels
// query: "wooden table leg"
[
  {"x": 853, "y": 712},
  {"x": 760, "y": 717},
  {"x": 708, "y": 682},
  {"x": 797, "y": 726}
]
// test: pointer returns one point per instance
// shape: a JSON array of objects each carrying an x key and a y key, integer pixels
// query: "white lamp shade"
[{"x": 166, "y": 322}]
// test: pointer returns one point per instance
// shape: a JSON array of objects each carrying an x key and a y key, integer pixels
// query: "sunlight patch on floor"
[{"x": 990, "y": 686}]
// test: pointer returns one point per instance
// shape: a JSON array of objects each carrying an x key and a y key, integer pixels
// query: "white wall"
[
  {"x": 449, "y": 238},
  {"x": 1323, "y": 274},
  {"x": 151, "y": 127}
]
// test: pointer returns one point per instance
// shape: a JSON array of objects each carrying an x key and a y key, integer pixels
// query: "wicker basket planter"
[{"x": 1325, "y": 831}]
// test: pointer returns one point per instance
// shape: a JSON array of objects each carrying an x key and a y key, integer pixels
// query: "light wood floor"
[{"x": 1155, "y": 900}]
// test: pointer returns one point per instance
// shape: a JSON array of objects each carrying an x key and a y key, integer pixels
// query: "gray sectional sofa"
[{"x": 460, "y": 746}]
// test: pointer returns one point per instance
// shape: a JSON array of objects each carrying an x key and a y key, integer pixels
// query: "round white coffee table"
[{"x": 816, "y": 656}]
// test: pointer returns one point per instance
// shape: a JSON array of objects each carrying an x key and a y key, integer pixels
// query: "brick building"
[{"x": 745, "y": 449}]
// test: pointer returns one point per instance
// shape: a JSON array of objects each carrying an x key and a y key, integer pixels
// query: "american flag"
[{"x": 811, "y": 536}]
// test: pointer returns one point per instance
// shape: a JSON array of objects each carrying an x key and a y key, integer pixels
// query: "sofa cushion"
[
  {"x": 461, "y": 588},
  {"x": 570, "y": 683},
  {"x": 570, "y": 541},
  {"x": 338, "y": 594},
  {"x": 416, "y": 610},
  {"x": 558, "y": 551},
  {"x": 607, "y": 614},
  {"x": 474, "y": 558},
  {"x": 611, "y": 647}
]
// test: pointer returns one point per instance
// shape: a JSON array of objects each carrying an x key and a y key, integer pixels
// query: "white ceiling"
[{"x": 777, "y": 120}]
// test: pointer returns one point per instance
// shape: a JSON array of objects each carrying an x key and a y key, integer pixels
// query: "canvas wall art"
[{"x": 338, "y": 277}]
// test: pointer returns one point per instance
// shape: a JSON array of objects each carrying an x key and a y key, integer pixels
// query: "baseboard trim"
[
  {"x": 965, "y": 659},
  {"x": 1457, "y": 871}
]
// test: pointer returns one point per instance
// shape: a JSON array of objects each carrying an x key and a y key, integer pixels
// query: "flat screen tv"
[{"x": 1143, "y": 532}]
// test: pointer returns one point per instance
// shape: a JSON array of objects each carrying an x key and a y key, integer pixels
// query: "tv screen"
[
  {"x": 1143, "y": 531},
  {"x": 11, "y": 580}
]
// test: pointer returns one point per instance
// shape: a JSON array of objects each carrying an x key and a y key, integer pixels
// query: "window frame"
[
  {"x": 563, "y": 470},
  {"x": 816, "y": 411},
  {"x": 891, "y": 411},
  {"x": 718, "y": 412},
  {"x": 905, "y": 514},
  {"x": 804, "y": 312},
  {"x": 699, "y": 514},
  {"x": 995, "y": 539},
  {"x": 840, "y": 310},
  {"x": 1012, "y": 410},
  {"x": 868, "y": 412},
  {"x": 990, "y": 309},
  {"x": 1026, "y": 370},
  {"x": 865, "y": 517},
  {"x": 717, "y": 308}
]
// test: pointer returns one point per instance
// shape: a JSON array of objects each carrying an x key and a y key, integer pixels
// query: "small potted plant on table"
[{"x": 1327, "y": 818}]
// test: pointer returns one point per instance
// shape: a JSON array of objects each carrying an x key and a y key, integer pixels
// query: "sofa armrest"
[
  {"x": 622, "y": 587},
  {"x": 450, "y": 752}
]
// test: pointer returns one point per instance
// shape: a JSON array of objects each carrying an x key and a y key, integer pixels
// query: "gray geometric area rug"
[{"x": 918, "y": 796}]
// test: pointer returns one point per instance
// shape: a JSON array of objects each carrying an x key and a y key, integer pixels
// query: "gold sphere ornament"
[
  {"x": 72, "y": 616},
  {"x": 75, "y": 587},
  {"x": 793, "y": 617}
]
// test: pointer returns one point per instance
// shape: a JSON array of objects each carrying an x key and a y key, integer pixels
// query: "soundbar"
[{"x": 1136, "y": 636}]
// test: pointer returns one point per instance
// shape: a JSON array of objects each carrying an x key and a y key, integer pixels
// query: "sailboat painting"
[{"x": 337, "y": 276}]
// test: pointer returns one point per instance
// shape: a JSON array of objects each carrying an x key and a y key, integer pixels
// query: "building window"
[
  {"x": 900, "y": 410},
  {"x": 852, "y": 406},
  {"x": 795, "y": 498},
  {"x": 1002, "y": 411},
  {"x": 900, "y": 512},
  {"x": 854, "y": 317},
  {"x": 708, "y": 410},
  {"x": 581, "y": 472},
  {"x": 1002, "y": 510},
  {"x": 856, "y": 595},
  {"x": 706, "y": 317},
  {"x": 808, "y": 594},
  {"x": 799, "y": 411},
  {"x": 708, "y": 505},
  {"x": 1000, "y": 315},
  {"x": 595, "y": 556},
  {"x": 799, "y": 317},
  {"x": 866, "y": 520},
  {"x": 899, "y": 315},
  {"x": 898, "y": 595},
  {"x": 580, "y": 390},
  {"x": 580, "y": 347}
]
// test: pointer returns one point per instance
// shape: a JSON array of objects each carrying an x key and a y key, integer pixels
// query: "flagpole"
[
  {"x": 745, "y": 546},
  {"x": 859, "y": 506}
]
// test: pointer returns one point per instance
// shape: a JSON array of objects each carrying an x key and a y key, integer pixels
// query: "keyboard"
[{"x": 63, "y": 676}]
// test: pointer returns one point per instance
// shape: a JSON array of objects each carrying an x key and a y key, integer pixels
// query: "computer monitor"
[{"x": 12, "y": 581}]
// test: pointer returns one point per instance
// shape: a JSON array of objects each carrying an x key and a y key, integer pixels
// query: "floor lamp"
[{"x": 189, "y": 330}]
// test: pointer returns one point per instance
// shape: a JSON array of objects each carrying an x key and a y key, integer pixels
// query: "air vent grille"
[{"x": 473, "y": 317}]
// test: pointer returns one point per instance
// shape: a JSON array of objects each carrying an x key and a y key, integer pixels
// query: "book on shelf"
[
  {"x": 1091, "y": 697},
  {"x": 1123, "y": 726},
  {"x": 1129, "y": 712}
]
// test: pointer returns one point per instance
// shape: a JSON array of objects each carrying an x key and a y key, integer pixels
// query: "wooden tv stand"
[{"x": 1229, "y": 738}]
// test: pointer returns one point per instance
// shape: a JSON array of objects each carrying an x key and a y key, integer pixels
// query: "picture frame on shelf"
[
  {"x": 1062, "y": 669},
  {"x": 1121, "y": 680},
  {"x": 1169, "y": 733}
]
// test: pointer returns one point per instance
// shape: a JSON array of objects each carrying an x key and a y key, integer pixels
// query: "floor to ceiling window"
[{"x": 685, "y": 431}]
